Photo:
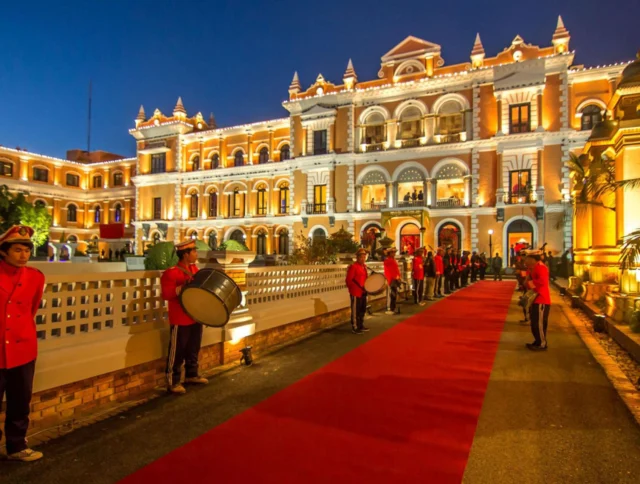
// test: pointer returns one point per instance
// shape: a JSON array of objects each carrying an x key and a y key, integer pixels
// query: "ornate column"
[
  {"x": 499, "y": 113},
  {"x": 539, "y": 105},
  {"x": 88, "y": 220},
  {"x": 201, "y": 164},
  {"x": 390, "y": 199},
  {"x": 107, "y": 213},
  {"x": 304, "y": 141},
  {"x": 249, "y": 148},
  {"x": 271, "y": 157},
  {"x": 222, "y": 153},
  {"x": 540, "y": 181},
  {"x": 204, "y": 208},
  {"x": 434, "y": 193},
  {"x": 358, "y": 198},
  {"x": 247, "y": 202},
  {"x": 428, "y": 193},
  {"x": 106, "y": 182},
  {"x": 467, "y": 190},
  {"x": 127, "y": 212},
  {"x": 499, "y": 179}
]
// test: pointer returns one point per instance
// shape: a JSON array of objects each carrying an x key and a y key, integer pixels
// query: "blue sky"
[{"x": 236, "y": 59}]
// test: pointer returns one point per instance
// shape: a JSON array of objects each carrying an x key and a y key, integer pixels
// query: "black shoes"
[
  {"x": 364, "y": 329},
  {"x": 357, "y": 331},
  {"x": 535, "y": 347}
]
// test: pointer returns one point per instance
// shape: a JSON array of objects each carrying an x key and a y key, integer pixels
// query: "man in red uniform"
[
  {"x": 417, "y": 273},
  {"x": 21, "y": 290},
  {"x": 356, "y": 276},
  {"x": 392, "y": 273},
  {"x": 439, "y": 272},
  {"x": 186, "y": 334},
  {"x": 539, "y": 311}
]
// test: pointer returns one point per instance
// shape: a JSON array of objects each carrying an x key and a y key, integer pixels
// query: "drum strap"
[{"x": 189, "y": 274}]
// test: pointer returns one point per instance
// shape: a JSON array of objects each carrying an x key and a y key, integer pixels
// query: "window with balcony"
[
  {"x": 96, "y": 214},
  {"x": 374, "y": 134},
  {"x": 410, "y": 188},
  {"x": 238, "y": 158},
  {"x": 261, "y": 201},
  {"x": 118, "y": 179},
  {"x": 520, "y": 186},
  {"x": 591, "y": 115},
  {"x": 320, "y": 142},
  {"x": 193, "y": 206},
  {"x": 215, "y": 160},
  {"x": 450, "y": 122},
  {"x": 213, "y": 204},
  {"x": 6, "y": 168},
  {"x": 72, "y": 213},
  {"x": 117, "y": 213},
  {"x": 41, "y": 174},
  {"x": 157, "y": 208},
  {"x": 285, "y": 153},
  {"x": 263, "y": 156},
  {"x": 158, "y": 162},
  {"x": 519, "y": 118},
  {"x": 97, "y": 181},
  {"x": 410, "y": 126},
  {"x": 450, "y": 186},
  {"x": 283, "y": 199},
  {"x": 374, "y": 192},
  {"x": 320, "y": 199},
  {"x": 73, "y": 180}
]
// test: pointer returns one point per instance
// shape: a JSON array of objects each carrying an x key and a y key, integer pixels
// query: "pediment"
[
  {"x": 319, "y": 110},
  {"x": 411, "y": 47}
]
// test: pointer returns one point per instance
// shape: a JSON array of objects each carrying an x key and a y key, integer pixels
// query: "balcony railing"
[
  {"x": 521, "y": 196},
  {"x": 412, "y": 203},
  {"x": 373, "y": 206},
  {"x": 449, "y": 203},
  {"x": 450, "y": 138},
  {"x": 410, "y": 143},
  {"x": 370, "y": 148},
  {"x": 314, "y": 208}
]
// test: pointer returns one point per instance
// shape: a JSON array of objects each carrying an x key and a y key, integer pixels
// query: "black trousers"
[
  {"x": 539, "y": 316},
  {"x": 497, "y": 273},
  {"x": 474, "y": 274},
  {"x": 17, "y": 383},
  {"x": 392, "y": 295},
  {"x": 184, "y": 346},
  {"x": 483, "y": 271},
  {"x": 447, "y": 283},
  {"x": 438, "y": 285},
  {"x": 358, "y": 308},
  {"x": 418, "y": 290},
  {"x": 457, "y": 279}
]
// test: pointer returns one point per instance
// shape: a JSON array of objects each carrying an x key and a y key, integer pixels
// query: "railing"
[
  {"x": 520, "y": 196},
  {"x": 373, "y": 206},
  {"x": 313, "y": 208},
  {"x": 411, "y": 203},
  {"x": 410, "y": 143},
  {"x": 450, "y": 138},
  {"x": 374, "y": 147},
  {"x": 449, "y": 203}
]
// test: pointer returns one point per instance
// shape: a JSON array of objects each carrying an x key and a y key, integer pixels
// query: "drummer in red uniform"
[
  {"x": 186, "y": 334},
  {"x": 417, "y": 273},
  {"x": 392, "y": 273},
  {"x": 356, "y": 277},
  {"x": 21, "y": 290}
]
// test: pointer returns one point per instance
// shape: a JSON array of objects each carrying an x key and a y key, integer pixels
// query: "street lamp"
[{"x": 491, "y": 249}]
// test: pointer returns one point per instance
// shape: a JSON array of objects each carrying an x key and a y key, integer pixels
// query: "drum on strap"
[
  {"x": 210, "y": 297},
  {"x": 375, "y": 283}
]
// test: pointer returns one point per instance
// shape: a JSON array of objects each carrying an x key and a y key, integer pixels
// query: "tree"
[
  {"x": 342, "y": 242},
  {"x": 309, "y": 251},
  {"x": 16, "y": 210}
]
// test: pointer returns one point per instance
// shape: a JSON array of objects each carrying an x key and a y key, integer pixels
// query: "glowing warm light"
[{"x": 490, "y": 231}]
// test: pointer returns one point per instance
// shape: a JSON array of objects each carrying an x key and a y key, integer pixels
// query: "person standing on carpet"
[
  {"x": 539, "y": 310},
  {"x": 430, "y": 276},
  {"x": 356, "y": 277},
  {"x": 392, "y": 273},
  {"x": 447, "y": 266},
  {"x": 439, "y": 267},
  {"x": 496, "y": 267},
  {"x": 21, "y": 289},
  {"x": 417, "y": 273},
  {"x": 185, "y": 335}
]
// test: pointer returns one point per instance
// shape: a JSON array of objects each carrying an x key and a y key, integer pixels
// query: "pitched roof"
[{"x": 409, "y": 47}]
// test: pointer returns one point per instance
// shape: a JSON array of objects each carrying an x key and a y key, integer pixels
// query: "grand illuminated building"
[{"x": 431, "y": 153}]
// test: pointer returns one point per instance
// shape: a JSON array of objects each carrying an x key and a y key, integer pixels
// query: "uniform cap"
[
  {"x": 361, "y": 251},
  {"x": 187, "y": 244},
  {"x": 17, "y": 234}
]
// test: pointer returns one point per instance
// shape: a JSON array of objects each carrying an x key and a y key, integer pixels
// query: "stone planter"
[
  {"x": 225, "y": 257},
  {"x": 93, "y": 257},
  {"x": 346, "y": 258}
]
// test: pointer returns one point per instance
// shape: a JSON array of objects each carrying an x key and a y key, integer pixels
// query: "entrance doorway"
[
  {"x": 409, "y": 238},
  {"x": 449, "y": 235},
  {"x": 519, "y": 236}
]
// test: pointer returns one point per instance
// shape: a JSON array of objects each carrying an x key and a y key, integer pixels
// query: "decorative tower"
[
  {"x": 350, "y": 77},
  {"x": 477, "y": 53},
  {"x": 142, "y": 117},
  {"x": 179, "y": 111},
  {"x": 560, "y": 38},
  {"x": 295, "y": 86},
  {"x": 212, "y": 121}
]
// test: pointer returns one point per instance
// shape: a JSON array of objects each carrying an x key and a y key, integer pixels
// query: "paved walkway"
[{"x": 547, "y": 417}]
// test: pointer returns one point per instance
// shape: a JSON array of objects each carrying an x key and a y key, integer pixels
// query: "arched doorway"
[
  {"x": 409, "y": 238},
  {"x": 519, "y": 236},
  {"x": 261, "y": 243},
  {"x": 369, "y": 237},
  {"x": 450, "y": 235},
  {"x": 237, "y": 235}
]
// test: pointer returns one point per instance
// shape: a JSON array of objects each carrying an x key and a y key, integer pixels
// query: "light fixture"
[
  {"x": 246, "y": 358},
  {"x": 490, "y": 231}
]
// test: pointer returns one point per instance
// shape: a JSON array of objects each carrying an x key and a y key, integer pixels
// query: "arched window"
[
  {"x": 449, "y": 235},
  {"x": 235, "y": 204},
  {"x": 261, "y": 200},
  {"x": 118, "y": 213},
  {"x": 213, "y": 240},
  {"x": 409, "y": 238},
  {"x": 283, "y": 241},
  {"x": 156, "y": 238},
  {"x": 96, "y": 214},
  {"x": 193, "y": 206},
  {"x": 195, "y": 163},
  {"x": 118, "y": 179},
  {"x": 450, "y": 120},
  {"x": 318, "y": 235},
  {"x": 213, "y": 204},
  {"x": 410, "y": 123},
  {"x": 237, "y": 235},
  {"x": 591, "y": 115},
  {"x": 374, "y": 129},
  {"x": 284, "y": 199},
  {"x": 97, "y": 181},
  {"x": 40, "y": 204},
  {"x": 72, "y": 213},
  {"x": 215, "y": 160},
  {"x": 263, "y": 157},
  {"x": 238, "y": 159},
  {"x": 285, "y": 153},
  {"x": 261, "y": 243}
]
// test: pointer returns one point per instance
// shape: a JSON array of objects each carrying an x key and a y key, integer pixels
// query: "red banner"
[{"x": 112, "y": 231}]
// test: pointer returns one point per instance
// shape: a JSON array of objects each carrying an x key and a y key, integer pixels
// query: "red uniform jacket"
[
  {"x": 391, "y": 269},
  {"x": 540, "y": 281},
  {"x": 171, "y": 279},
  {"x": 418, "y": 268},
  {"x": 356, "y": 275},
  {"x": 439, "y": 265},
  {"x": 20, "y": 294}
]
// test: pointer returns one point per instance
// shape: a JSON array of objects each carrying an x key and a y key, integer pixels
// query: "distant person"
[
  {"x": 392, "y": 273},
  {"x": 414, "y": 195},
  {"x": 417, "y": 274},
  {"x": 496, "y": 267},
  {"x": 420, "y": 195},
  {"x": 356, "y": 277},
  {"x": 430, "y": 276},
  {"x": 512, "y": 254},
  {"x": 439, "y": 267},
  {"x": 117, "y": 254},
  {"x": 407, "y": 197},
  {"x": 110, "y": 254}
]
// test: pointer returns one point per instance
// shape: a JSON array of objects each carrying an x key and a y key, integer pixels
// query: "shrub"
[{"x": 231, "y": 245}]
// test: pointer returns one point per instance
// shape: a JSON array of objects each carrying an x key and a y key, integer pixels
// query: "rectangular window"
[
  {"x": 6, "y": 169},
  {"x": 213, "y": 204},
  {"x": 519, "y": 118},
  {"x": 284, "y": 200},
  {"x": 41, "y": 174},
  {"x": 158, "y": 162},
  {"x": 193, "y": 209},
  {"x": 451, "y": 124},
  {"x": 73, "y": 180},
  {"x": 320, "y": 199},
  {"x": 97, "y": 181},
  {"x": 118, "y": 180},
  {"x": 261, "y": 204},
  {"x": 410, "y": 129},
  {"x": 320, "y": 142},
  {"x": 157, "y": 208},
  {"x": 374, "y": 134},
  {"x": 520, "y": 186}
]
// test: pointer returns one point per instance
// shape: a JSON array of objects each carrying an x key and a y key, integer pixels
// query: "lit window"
[{"x": 519, "y": 119}]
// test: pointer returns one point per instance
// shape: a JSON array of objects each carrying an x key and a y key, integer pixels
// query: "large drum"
[
  {"x": 375, "y": 283},
  {"x": 210, "y": 297}
]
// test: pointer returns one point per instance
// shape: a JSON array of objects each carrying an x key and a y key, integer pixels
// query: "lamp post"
[{"x": 491, "y": 249}]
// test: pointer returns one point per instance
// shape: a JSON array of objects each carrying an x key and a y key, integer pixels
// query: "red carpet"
[{"x": 401, "y": 408}]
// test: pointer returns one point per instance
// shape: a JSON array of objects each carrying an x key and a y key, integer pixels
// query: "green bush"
[
  {"x": 161, "y": 256},
  {"x": 342, "y": 242},
  {"x": 231, "y": 245}
]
